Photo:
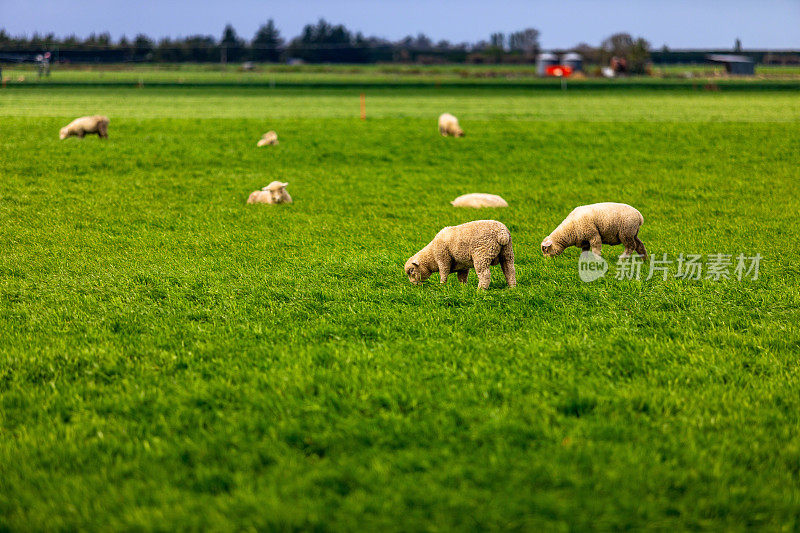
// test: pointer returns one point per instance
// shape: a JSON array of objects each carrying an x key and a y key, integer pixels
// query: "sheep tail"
[
  {"x": 507, "y": 251},
  {"x": 504, "y": 238}
]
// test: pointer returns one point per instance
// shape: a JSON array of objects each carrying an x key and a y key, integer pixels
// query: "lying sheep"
[
  {"x": 478, "y": 199},
  {"x": 591, "y": 226},
  {"x": 448, "y": 125},
  {"x": 274, "y": 193},
  {"x": 477, "y": 245},
  {"x": 81, "y": 126},
  {"x": 268, "y": 138}
]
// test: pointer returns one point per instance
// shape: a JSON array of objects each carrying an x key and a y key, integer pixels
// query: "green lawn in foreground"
[{"x": 171, "y": 358}]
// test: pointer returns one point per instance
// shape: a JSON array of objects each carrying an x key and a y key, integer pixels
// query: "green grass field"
[
  {"x": 171, "y": 358},
  {"x": 375, "y": 76}
]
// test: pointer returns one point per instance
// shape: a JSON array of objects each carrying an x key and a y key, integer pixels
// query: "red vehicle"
[{"x": 559, "y": 71}]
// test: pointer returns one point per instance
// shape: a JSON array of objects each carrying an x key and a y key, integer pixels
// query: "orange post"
[{"x": 363, "y": 107}]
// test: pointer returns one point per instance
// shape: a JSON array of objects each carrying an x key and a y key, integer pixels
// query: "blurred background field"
[{"x": 370, "y": 75}]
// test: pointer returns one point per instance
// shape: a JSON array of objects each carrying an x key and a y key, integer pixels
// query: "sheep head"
[
  {"x": 550, "y": 248},
  {"x": 415, "y": 272},
  {"x": 63, "y": 133},
  {"x": 277, "y": 191}
]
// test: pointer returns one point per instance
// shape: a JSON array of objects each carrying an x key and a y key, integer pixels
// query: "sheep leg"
[
  {"x": 596, "y": 245},
  {"x": 507, "y": 265},
  {"x": 630, "y": 245},
  {"x": 463, "y": 275},
  {"x": 640, "y": 249},
  {"x": 484, "y": 275},
  {"x": 444, "y": 271}
]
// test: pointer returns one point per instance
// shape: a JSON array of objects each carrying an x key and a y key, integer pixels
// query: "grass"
[
  {"x": 171, "y": 358},
  {"x": 379, "y": 75}
]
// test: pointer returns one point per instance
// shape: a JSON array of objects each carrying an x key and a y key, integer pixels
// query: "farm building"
[
  {"x": 544, "y": 60},
  {"x": 574, "y": 61},
  {"x": 739, "y": 65}
]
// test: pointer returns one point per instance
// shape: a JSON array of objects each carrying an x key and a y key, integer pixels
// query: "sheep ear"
[
  {"x": 547, "y": 242},
  {"x": 284, "y": 184},
  {"x": 415, "y": 262}
]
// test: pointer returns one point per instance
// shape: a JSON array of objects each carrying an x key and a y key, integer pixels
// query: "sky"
[{"x": 759, "y": 24}]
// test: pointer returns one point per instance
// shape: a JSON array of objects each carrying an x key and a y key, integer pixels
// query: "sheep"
[
  {"x": 448, "y": 125},
  {"x": 476, "y": 244},
  {"x": 478, "y": 200},
  {"x": 274, "y": 193},
  {"x": 81, "y": 126},
  {"x": 591, "y": 226},
  {"x": 268, "y": 138}
]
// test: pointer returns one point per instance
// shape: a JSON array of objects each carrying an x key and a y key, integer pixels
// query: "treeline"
[{"x": 322, "y": 42}]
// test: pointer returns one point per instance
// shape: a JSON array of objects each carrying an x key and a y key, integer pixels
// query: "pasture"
[
  {"x": 171, "y": 358},
  {"x": 381, "y": 75}
]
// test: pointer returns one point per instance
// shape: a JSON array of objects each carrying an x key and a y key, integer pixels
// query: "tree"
[
  {"x": 324, "y": 43},
  {"x": 126, "y": 47},
  {"x": 90, "y": 42},
  {"x": 232, "y": 47},
  {"x": 423, "y": 42},
  {"x": 167, "y": 51},
  {"x": 622, "y": 45},
  {"x": 496, "y": 50},
  {"x": 37, "y": 41},
  {"x": 498, "y": 40},
  {"x": 480, "y": 46},
  {"x": 200, "y": 48},
  {"x": 70, "y": 41},
  {"x": 589, "y": 53},
  {"x": 267, "y": 43},
  {"x": 142, "y": 47},
  {"x": 525, "y": 41}
]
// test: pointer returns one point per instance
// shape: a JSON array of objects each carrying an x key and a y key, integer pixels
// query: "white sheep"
[
  {"x": 81, "y": 126},
  {"x": 589, "y": 227},
  {"x": 448, "y": 125},
  {"x": 274, "y": 193},
  {"x": 477, "y": 245},
  {"x": 268, "y": 138},
  {"x": 477, "y": 200}
]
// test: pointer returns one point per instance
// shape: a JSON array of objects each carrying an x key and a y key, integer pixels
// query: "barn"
[{"x": 737, "y": 65}]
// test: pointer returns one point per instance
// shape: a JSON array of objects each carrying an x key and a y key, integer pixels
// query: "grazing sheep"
[
  {"x": 477, "y": 245},
  {"x": 478, "y": 199},
  {"x": 448, "y": 125},
  {"x": 268, "y": 138},
  {"x": 81, "y": 126},
  {"x": 591, "y": 226},
  {"x": 274, "y": 193}
]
